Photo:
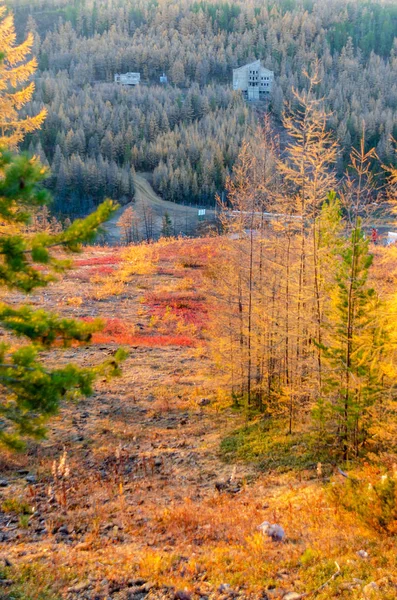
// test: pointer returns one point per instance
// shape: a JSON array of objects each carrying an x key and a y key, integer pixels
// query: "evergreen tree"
[
  {"x": 353, "y": 351},
  {"x": 166, "y": 228},
  {"x": 30, "y": 391}
]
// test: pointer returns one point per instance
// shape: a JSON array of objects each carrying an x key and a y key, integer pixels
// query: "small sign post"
[{"x": 201, "y": 214}]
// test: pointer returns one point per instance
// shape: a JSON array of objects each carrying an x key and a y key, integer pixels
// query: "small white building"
[
  {"x": 253, "y": 80},
  {"x": 164, "y": 79},
  {"x": 391, "y": 238},
  {"x": 127, "y": 78}
]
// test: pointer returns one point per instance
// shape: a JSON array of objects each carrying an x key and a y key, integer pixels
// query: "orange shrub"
[{"x": 372, "y": 495}]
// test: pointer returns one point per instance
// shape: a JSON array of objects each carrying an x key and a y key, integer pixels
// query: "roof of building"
[
  {"x": 256, "y": 63},
  {"x": 129, "y": 75}
]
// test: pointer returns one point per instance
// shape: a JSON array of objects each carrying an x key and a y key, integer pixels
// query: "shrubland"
[
  {"x": 125, "y": 486},
  {"x": 139, "y": 499},
  {"x": 259, "y": 383}
]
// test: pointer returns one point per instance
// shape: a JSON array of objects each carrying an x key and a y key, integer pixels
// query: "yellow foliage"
[
  {"x": 15, "y": 91},
  {"x": 138, "y": 260},
  {"x": 110, "y": 287},
  {"x": 74, "y": 301},
  {"x": 185, "y": 285},
  {"x": 153, "y": 565}
]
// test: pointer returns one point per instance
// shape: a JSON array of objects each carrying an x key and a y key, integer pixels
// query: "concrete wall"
[
  {"x": 254, "y": 80},
  {"x": 127, "y": 78},
  {"x": 266, "y": 79},
  {"x": 240, "y": 79}
]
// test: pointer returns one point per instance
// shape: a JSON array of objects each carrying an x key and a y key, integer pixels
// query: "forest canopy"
[{"x": 188, "y": 132}]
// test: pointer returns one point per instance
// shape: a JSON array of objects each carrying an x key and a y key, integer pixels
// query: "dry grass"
[{"x": 143, "y": 457}]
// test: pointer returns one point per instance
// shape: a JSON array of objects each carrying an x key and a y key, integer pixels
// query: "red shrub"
[
  {"x": 187, "y": 307},
  {"x": 117, "y": 331},
  {"x": 86, "y": 274},
  {"x": 107, "y": 259},
  {"x": 113, "y": 326}
]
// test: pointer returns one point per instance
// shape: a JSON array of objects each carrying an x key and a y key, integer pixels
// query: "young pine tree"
[
  {"x": 30, "y": 390},
  {"x": 353, "y": 351},
  {"x": 166, "y": 227}
]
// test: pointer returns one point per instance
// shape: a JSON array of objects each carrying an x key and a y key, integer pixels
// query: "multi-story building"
[
  {"x": 128, "y": 78},
  {"x": 253, "y": 80}
]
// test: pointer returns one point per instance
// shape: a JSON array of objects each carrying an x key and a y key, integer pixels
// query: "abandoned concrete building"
[
  {"x": 128, "y": 78},
  {"x": 253, "y": 80}
]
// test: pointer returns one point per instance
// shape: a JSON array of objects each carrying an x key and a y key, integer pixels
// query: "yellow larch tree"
[{"x": 15, "y": 89}]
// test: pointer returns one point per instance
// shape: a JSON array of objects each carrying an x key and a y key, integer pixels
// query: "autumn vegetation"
[
  {"x": 31, "y": 391},
  {"x": 16, "y": 90},
  {"x": 167, "y": 397},
  {"x": 304, "y": 333},
  {"x": 134, "y": 497}
]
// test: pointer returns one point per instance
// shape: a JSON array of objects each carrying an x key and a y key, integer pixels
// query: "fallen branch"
[
  {"x": 352, "y": 479},
  {"x": 342, "y": 473}
]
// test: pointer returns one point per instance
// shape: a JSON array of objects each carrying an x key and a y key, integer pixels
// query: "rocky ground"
[
  {"x": 129, "y": 498},
  {"x": 141, "y": 445}
]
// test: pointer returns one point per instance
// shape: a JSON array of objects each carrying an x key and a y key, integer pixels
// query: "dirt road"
[{"x": 149, "y": 206}]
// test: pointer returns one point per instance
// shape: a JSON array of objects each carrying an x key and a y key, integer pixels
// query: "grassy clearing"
[
  {"x": 17, "y": 506},
  {"x": 34, "y": 582},
  {"x": 268, "y": 444}
]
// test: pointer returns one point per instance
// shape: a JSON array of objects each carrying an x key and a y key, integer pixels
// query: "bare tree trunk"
[
  {"x": 250, "y": 289},
  {"x": 318, "y": 305}
]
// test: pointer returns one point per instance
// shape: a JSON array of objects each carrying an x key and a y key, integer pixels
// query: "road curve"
[{"x": 145, "y": 196}]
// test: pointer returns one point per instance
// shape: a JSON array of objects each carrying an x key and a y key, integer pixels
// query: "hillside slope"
[{"x": 150, "y": 508}]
